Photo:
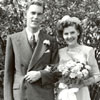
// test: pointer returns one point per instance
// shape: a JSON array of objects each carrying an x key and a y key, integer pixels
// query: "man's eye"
[
  {"x": 39, "y": 14},
  {"x": 33, "y": 13}
]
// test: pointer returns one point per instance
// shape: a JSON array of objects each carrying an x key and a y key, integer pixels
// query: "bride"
[{"x": 70, "y": 30}]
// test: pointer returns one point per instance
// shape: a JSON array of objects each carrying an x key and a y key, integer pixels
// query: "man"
[{"x": 26, "y": 74}]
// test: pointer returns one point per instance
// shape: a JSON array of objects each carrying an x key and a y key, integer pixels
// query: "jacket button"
[
  {"x": 22, "y": 65},
  {"x": 25, "y": 87}
]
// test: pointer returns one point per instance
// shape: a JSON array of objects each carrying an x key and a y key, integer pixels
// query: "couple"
[{"x": 27, "y": 73}]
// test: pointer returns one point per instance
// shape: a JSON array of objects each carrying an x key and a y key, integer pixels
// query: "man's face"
[{"x": 34, "y": 16}]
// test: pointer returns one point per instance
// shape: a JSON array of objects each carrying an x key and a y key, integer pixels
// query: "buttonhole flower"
[{"x": 46, "y": 42}]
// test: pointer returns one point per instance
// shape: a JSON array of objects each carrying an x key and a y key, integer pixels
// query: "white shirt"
[{"x": 29, "y": 34}]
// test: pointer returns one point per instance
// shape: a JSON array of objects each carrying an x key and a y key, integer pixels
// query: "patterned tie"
[{"x": 32, "y": 42}]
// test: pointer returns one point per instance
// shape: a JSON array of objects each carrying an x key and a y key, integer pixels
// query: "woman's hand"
[
  {"x": 76, "y": 85},
  {"x": 92, "y": 80}
]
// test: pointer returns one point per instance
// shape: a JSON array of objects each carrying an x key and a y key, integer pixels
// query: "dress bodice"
[
  {"x": 81, "y": 53},
  {"x": 76, "y": 54}
]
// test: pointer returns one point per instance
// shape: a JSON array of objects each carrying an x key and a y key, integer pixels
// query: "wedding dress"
[{"x": 84, "y": 54}]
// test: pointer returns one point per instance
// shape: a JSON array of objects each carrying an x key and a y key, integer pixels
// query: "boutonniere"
[{"x": 47, "y": 44}]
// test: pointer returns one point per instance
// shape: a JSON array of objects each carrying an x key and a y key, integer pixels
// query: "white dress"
[{"x": 84, "y": 54}]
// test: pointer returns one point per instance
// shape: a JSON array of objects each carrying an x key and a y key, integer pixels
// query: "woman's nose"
[{"x": 69, "y": 35}]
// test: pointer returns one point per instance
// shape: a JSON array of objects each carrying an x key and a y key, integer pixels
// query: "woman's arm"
[{"x": 95, "y": 73}]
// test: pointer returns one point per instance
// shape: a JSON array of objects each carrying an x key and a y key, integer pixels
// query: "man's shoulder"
[
  {"x": 52, "y": 38},
  {"x": 17, "y": 34},
  {"x": 45, "y": 34}
]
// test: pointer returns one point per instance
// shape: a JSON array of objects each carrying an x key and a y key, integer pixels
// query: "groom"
[{"x": 25, "y": 77}]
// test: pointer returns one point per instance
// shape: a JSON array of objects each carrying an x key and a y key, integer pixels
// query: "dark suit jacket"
[{"x": 20, "y": 59}]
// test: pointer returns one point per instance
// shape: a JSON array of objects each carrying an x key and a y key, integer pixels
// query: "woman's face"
[{"x": 70, "y": 35}]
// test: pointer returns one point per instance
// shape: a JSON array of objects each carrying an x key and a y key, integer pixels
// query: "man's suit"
[{"x": 20, "y": 60}]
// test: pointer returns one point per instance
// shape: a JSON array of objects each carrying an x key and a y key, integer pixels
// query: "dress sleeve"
[{"x": 91, "y": 60}]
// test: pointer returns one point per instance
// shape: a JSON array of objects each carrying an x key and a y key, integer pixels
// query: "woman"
[{"x": 70, "y": 30}]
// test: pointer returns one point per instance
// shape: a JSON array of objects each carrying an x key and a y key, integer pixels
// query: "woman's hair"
[{"x": 67, "y": 21}]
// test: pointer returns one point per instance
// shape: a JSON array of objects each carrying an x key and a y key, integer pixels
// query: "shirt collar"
[{"x": 29, "y": 34}]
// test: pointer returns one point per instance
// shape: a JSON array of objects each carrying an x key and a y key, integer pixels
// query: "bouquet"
[{"x": 73, "y": 73}]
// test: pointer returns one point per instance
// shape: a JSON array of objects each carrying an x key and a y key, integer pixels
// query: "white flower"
[
  {"x": 79, "y": 65},
  {"x": 76, "y": 20},
  {"x": 46, "y": 42},
  {"x": 88, "y": 67},
  {"x": 79, "y": 75},
  {"x": 75, "y": 69},
  {"x": 62, "y": 86},
  {"x": 60, "y": 67},
  {"x": 70, "y": 19},
  {"x": 72, "y": 75},
  {"x": 70, "y": 64},
  {"x": 65, "y": 72},
  {"x": 65, "y": 18},
  {"x": 85, "y": 72}
]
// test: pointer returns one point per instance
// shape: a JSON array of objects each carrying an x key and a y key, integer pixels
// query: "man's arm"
[
  {"x": 46, "y": 76},
  {"x": 9, "y": 71},
  {"x": 51, "y": 77}
]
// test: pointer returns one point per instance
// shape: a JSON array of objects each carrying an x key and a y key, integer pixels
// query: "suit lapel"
[
  {"x": 38, "y": 52},
  {"x": 25, "y": 42},
  {"x": 26, "y": 51}
]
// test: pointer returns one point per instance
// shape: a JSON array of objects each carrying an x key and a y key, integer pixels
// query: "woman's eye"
[
  {"x": 72, "y": 32},
  {"x": 65, "y": 33}
]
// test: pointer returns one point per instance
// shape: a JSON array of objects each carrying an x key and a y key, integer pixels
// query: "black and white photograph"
[{"x": 49, "y": 49}]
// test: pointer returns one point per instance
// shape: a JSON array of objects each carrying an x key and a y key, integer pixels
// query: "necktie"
[{"x": 32, "y": 42}]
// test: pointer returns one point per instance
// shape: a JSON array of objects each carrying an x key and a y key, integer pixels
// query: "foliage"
[{"x": 12, "y": 20}]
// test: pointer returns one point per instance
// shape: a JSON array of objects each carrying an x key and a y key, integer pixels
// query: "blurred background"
[{"x": 12, "y": 21}]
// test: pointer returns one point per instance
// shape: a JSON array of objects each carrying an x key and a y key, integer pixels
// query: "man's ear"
[
  {"x": 43, "y": 17},
  {"x": 25, "y": 18}
]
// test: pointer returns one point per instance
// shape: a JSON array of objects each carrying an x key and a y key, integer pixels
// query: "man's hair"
[{"x": 36, "y": 2}]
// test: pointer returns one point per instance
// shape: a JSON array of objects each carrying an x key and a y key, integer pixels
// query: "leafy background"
[{"x": 12, "y": 21}]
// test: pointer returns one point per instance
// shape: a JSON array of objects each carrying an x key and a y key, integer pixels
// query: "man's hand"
[{"x": 32, "y": 76}]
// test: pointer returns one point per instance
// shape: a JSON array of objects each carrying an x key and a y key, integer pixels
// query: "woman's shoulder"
[
  {"x": 81, "y": 48},
  {"x": 62, "y": 49},
  {"x": 86, "y": 48}
]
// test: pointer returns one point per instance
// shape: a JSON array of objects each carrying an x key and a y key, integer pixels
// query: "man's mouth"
[{"x": 34, "y": 21}]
